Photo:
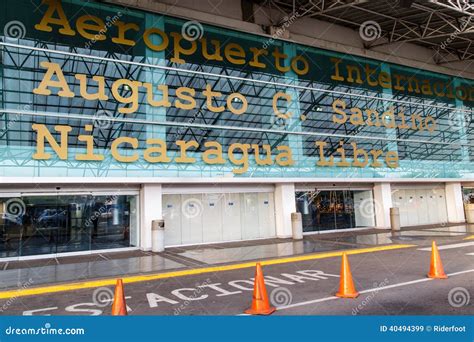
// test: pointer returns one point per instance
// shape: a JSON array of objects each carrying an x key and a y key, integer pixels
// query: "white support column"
[
  {"x": 454, "y": 203},
  {"x": 382, "y": 204},
  {"x": 150, "y": 209},
  {"x": 284, "y": 205}
]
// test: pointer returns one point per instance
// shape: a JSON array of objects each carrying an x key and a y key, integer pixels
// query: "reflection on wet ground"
[{"x": 80, "y": 268}]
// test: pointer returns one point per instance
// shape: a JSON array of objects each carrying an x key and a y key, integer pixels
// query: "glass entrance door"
[
  {"x": 51, "y": 224},
  {"x": 335, "y": 209},
  {"x": 44, "y": 224}
]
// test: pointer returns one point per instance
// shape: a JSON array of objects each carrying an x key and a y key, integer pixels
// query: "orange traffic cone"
[
  {"x": 260, "y": 303},
  {"x": 346, "y": 285},
  {"x": 436, "y": 267},
  {"x": 119, "y": 307}
]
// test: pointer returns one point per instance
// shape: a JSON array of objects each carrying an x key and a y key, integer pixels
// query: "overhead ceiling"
[{"x": 444, "y": 26}]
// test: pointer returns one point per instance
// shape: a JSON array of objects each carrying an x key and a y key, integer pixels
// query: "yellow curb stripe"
[
  {"x": 182, "y": 273},
  {"x": 469, "y": 238}
]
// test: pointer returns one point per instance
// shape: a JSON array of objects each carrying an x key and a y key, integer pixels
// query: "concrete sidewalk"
[{"x": 32, "y": 273}]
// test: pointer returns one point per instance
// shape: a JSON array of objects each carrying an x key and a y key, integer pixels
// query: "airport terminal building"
[{"x": 220, "y": 122}]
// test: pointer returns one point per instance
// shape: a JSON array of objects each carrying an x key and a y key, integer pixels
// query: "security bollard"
[
  {"x": 297, "y": 226},
  {"x": 395, "y": 219}
]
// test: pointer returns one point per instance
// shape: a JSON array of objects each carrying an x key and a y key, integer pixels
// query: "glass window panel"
[
  {"x": 335, "y": 209},
  {"x": 51, "y": 224}
]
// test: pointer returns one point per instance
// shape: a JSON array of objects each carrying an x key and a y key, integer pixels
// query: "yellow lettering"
[
  {"x": 276, "y": 97},
  {"x": 44, "y": 134},
  {"x": 47, "y": 81},
  {"x": 131, "y": 86},
  {"x": 47, "y": 20},
  {"x": 244, "y": 161},
  {"x": 96, "y": 26},
  {"x": 185, "y": 94},
  {"x": 119, "y": 157},
  {"x": 89, "y": 140},
  {"x": 160, "y": 150},
  {"x": 178, "y": 49},
  {"x": 164, "y": 39},
  {"x": 184, "y": 146},
  {"x": 234, "y": 53},
  {"x": 217, "y": 153},
  {"x": 122, "y": 29}
]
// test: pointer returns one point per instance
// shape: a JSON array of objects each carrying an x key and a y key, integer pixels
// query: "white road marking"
[
  {"x": 111, "y": 299},
  {"x": 469, "y": 253},
  {"x": 369, "y": 290},
  {"x": 456, "y": 245}
]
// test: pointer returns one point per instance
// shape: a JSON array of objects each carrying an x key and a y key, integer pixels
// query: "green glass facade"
[{"x": 314, "y": 79}]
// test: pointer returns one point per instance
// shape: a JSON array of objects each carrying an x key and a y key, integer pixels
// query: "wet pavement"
[
  {"x": 390, "y": 282},
  {"x": 80, "y": 271},
  {"x": 228, "y": 255},
  {"x": 70, "y": 269}
]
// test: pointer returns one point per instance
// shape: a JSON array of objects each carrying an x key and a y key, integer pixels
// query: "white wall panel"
[
  {"x": 433, "y": 213},
  {"x": 232, "y": 229},
  {"x": 212, "y": 225},
  {"x": 213, "y": 217},
  {"x": 422, "y": 209},
  {"x": 172, "y": 216},
  {"x": 266, "y": 214},
  {"x": 441, "y": 205},
  {"x": 412, "y": 204},
  {"x": 250, "y": 217},
  {"x": 420, "y": 206},
  {"x": 191, "y": 219}
]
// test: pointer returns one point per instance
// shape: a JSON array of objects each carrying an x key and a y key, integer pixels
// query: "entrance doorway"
[
  {"x": 39, "y": 224},
  {"x": 335, "y": 209}
]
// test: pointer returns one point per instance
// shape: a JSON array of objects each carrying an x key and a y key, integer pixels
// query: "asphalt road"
[{"x": 391, "y": 283}]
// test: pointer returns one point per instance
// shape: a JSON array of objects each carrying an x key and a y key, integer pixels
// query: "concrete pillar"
[
  {"x": 382, "y": 204},
  {"x": 454, "y": 203},
  {"x": 150, "y": 209},
  {"x": 284, "y": 205}
]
